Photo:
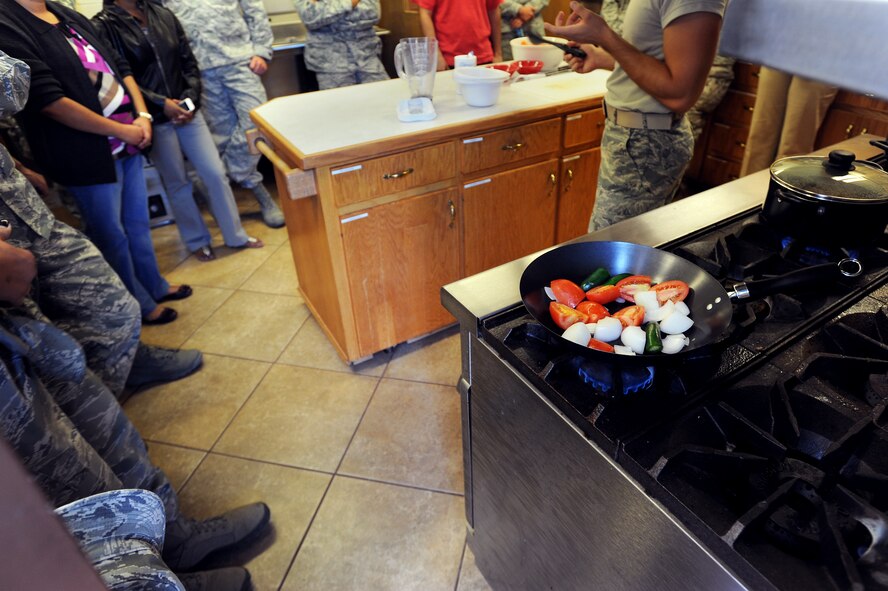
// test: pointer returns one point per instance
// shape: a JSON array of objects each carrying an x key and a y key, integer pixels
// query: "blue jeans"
[
  {"x": 115, "y": 217},
  {"x": 194, "y": 140}
]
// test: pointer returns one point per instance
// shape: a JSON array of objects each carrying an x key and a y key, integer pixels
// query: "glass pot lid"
[{"x": 838, "y": 178}]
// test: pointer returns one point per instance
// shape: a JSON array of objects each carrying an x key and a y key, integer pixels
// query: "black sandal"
[
  {"x": 165, "y": 317},
  {"x": 183, "y": 292}
]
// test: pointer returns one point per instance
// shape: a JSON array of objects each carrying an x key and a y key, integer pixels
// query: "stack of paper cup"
[{"x": 464, "y": 61}]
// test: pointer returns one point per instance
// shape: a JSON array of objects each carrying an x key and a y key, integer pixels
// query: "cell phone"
[{"x": 187, "y": 104}]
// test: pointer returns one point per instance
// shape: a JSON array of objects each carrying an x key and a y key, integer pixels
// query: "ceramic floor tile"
[
  {"x": 410, "y": 434},
  {"x": 311, "y": 348},
  {"x": 300, "y": 417},
  {"x": 373, "y": 536},
  {"x": 194, "y": 411},
  {"x": 193, "y": 312},
  {"x": 230, "y": 269},
  {"x": 435, "y": 359},
  {"x": 276, "y": 275},
  {"x": 293, "y": 495},
  {"x": 251, "y": 325},
  {"x": 178, "y": 463},
  {"x": 470, "y": 578}
]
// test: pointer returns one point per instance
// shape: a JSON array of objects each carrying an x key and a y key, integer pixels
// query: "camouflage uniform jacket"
[
  {"x": 340, "y": 37},
  {"x": 224, "y": 32},
  {"x": 613, "y": 12},
  {"x": 509, "y": 10}
]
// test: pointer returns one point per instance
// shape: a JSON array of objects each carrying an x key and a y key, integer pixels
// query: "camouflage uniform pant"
[
  {"x": 121, "y": 533},
  {"x": 339, "y": 79},
  {"x": 640, "y": 170},
  {"x": 229, "y": 94},
  {"x": 66, "y": 426}
]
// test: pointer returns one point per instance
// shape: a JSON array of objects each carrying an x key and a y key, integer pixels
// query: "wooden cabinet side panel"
[
  {"x": 579, "y": 181},
  {"x": 509, "y": 215},
  {"x": 398, "y": 257}
]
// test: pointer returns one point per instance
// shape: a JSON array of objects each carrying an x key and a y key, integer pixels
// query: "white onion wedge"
[
  {"x": 683, "y": 308},
  {"x": 676, "y": 323},
  {"x": 633, "y": 337},
  {"x": 549, "y": 293},
  {"x": 648, "y": 299},
  {"x": 592, "y": 326},
  {"x": 659, "y": 313},
  {"x": 674, "y": 343},
  {"x": 621, "y": 350},
  {"x": 608, "y": 329},
  {"x": 577, "y": 333}
]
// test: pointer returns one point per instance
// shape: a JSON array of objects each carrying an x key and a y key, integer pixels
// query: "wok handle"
[{"x": 817, "y": 274}]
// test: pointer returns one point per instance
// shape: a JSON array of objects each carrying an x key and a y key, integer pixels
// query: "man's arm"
[
  {"x": 689, "y": 44},
  {"x": 259, "y": 27},
  {"x": 428, "y": 30},
  {"x": 496, "y": 35},
  {"x": 17, "y": 269},
  {"x": 316, "y": 14}
]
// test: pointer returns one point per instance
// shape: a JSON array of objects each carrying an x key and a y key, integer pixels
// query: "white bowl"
[
  {"x": 551, "y": 56},
  {"x": 480, "y": 86}
]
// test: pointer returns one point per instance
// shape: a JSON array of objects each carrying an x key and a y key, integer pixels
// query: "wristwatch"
[{"x": 146, "y": 116}]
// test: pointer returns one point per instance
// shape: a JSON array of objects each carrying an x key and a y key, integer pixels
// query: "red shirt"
[{"x": 462, "y": 26}]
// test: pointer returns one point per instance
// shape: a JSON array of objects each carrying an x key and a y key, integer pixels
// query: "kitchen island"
[{"x": 382, "y": 213}]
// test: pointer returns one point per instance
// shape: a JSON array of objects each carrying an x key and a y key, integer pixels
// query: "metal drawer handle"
[
  {"x": 397, "y": 175},
  {"x": 513, "y": 147},
  {"x": 748, "y": 108},
  {"x": 848, "y": 130},
  {"x": 452, "y": 207},
  {"x": 741, "y": 144}
]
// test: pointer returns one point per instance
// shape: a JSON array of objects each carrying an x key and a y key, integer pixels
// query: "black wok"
[{"x": 709, "y": 301}]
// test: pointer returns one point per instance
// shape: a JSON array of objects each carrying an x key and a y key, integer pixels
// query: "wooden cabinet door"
[
  {"x": 579, "y": 179},
  {"x": 509, "y": 215},
  {"x": 398, "y": 256}
]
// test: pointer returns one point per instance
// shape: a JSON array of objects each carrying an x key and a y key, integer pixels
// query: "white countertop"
[{"x": 329, "y": 121}]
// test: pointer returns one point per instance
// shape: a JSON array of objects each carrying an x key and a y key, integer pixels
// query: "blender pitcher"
[{"x": 416, "y": 59}]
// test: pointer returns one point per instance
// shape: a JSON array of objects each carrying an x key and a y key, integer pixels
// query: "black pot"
[{"x": 837, "y": 201}]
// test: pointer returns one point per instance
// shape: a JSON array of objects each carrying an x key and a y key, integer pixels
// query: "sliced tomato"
[
  {"x": 632, "y": 284},
  {"x": 671, "y": 291},
  {"x": 567, "y": 292},
  {"x": 603, "y": 294},
  {"x": 633, "y": 280},
  {"x": 565, "y": 316},
  {"x": 631, "y": 316},
  {"x": 600, "y": 346},
  {"x": 593, "y": 311}
]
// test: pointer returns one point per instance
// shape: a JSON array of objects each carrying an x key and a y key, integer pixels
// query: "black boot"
[
  {"x": 155, "y": 365},
  {"x": 232, "y": 578},
  {"x": 188, "y": 541}
]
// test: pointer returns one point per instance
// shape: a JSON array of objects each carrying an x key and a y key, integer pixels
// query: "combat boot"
[
  {"x": 155, "y": 365},
  {"x": 188, "y": 541},
  {"x": 232, "y": 578},
  {"x": 271, "y": 213}
]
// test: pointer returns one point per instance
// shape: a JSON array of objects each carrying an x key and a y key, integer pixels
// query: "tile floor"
[{"x": 361, "y": 466}]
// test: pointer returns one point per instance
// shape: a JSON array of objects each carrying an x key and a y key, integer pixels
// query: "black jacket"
[
  {"x": 65, "y": 154},
  {"x": 161, "y": 61}
]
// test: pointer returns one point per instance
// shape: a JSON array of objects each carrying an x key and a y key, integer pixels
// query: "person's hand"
[
  {"x": 258, "y": 65},
  {"x": 581, "y": 26},
  {"x": 145, "y": 125},
  {"x": 595, "y": 59},
  {"x": 131, "y": 134},
  {"x": 17, "y": 269},
  {"x": 497, "y": 57},
  {"x": 525, "y": 13},
  {"x": 175, "y": 113},
  {"x": 516, "y": 23},
  {"x": 37, "y": 180}
]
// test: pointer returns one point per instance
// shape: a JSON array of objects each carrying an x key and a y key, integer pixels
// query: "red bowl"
[
  {"x": 528, "y": 66},
  {"x": 508, "y": 67}
]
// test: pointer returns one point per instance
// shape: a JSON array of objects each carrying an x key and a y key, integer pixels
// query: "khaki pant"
[{"x": 788, "y": 113}]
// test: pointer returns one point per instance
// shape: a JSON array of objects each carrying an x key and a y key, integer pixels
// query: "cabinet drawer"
[
  {"x": 717, "y": 171},
  {"x": 382, "y": 176},
  {"x": 510, "y": 145},
  {"x": 736, "y": 108},
  {"x": 583, "y": 128},
  {"x": 746, "y": 77},
  {"x": 727, "y": 142}
]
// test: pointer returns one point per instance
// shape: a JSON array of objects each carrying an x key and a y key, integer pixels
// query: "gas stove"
[{"x": 762, "y": 466}]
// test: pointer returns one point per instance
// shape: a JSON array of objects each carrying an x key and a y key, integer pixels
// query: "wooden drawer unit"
[
  {"x": 727, "y": 142},
  {"x": 583, "y": 128},
  {"x": 717, "y": 171},
  {"x": 494, "y": 149},
  {"x": 746, "y": 77},
  {"x": 358, "y": 182},
  {"x": 736, "y": 108}
]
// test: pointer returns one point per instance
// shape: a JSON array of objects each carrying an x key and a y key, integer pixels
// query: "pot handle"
[{"x": 846, "y": 268}]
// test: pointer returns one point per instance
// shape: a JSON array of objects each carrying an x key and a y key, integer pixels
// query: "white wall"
[{"x": 89, "y": 7}]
